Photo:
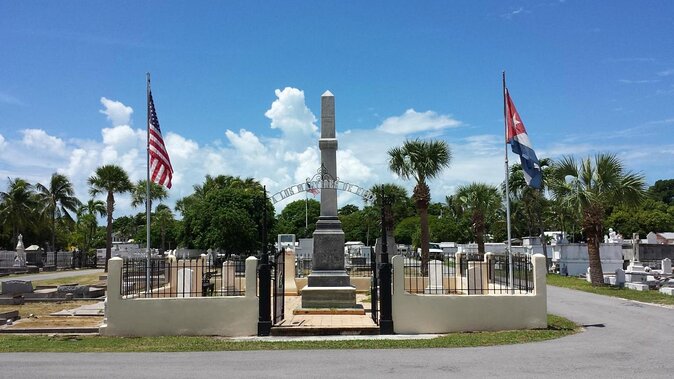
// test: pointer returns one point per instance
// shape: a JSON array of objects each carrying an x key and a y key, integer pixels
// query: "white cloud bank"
[
  {"x": 415, "y": 122},
  {"x": 275, "y": 161}
]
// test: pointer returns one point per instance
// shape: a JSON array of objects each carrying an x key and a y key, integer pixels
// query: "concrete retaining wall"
[
  {"x": 192, "y": 316},
  {"x": 572, "y": 258},
  {"x": 419, "y": 313}
]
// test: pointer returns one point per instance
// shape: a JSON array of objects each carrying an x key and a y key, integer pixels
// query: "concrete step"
[{"x": 324, "y": 331}]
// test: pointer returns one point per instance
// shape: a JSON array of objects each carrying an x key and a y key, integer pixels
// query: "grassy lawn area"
[
  {"x": 653, "y": 297},
  {"x": 558, "y": 327},
  {"x": 83, "y": 280}
]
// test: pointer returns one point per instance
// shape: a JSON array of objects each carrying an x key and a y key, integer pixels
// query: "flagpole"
[
  {"x": 148, "y": 280},
  {"x": 507, "y": 190},
  {"x": 306, "y": 210}
]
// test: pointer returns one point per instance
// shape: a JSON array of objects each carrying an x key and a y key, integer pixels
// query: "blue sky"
[{"x": 237, "y": 85}]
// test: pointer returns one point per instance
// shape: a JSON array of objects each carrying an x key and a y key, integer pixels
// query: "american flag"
[
  {"x": 312, "y": 190},
  {"x": 161, "y": 171}
]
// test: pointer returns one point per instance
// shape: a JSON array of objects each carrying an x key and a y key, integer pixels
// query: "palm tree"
[
  {"x": 17, "y": 206},
  {"x": 532, "y": 200},
  {"x": 421, "y": 160},
  {"x": 57, "y": 200},
  {"x": 164, "y": 218},
  {"x": 589, "y": 187},
  {"x": 139, "y": 192},
  {"x": 87, "y": 216},
  {"x": 109, "y": 179},
  {"x": 482, "y": 201}
]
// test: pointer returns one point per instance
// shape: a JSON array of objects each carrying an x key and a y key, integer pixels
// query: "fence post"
[
  {"x": 264, "y": 274},
  {"x": 251, "y": 277},
  {"x": 386, "y": 317}
]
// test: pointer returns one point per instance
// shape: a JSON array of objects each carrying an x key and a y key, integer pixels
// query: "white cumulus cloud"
[
  {"x": 116, "y": 111},
  {"x": 415, "y": 122},
  {"x": 39, "y": 139},
  {"x": 290, "y": 114}
]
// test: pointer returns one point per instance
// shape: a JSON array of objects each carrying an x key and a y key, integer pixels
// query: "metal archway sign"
[{"x": 322, "y": 184}]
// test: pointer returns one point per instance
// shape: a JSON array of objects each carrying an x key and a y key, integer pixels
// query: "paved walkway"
[
  {"x": 622, "y": 339},
  {"x": 323, "y": 321}
]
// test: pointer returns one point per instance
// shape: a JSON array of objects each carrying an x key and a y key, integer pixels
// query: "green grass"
[
  {"x": 653, "y": 297},
  {"x": 557, "y": 327},
  {"x": 82, "y": 280}
]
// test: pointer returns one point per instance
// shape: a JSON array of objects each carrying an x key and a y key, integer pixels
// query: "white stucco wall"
[
  {"x": 220, "y": 316},
  {"x": 420, "y": 313}
]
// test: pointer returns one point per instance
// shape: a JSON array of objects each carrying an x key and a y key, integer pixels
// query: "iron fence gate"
[
  {"x": 279, "y": 286},
  {"x": 374, "y": 293}
]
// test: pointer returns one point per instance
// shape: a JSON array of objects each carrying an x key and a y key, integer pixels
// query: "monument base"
[{"x": 329, "y": 297}]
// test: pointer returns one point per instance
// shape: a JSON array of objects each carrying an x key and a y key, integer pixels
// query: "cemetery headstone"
[
  {"x": 435, "y": 278},
  {"x": 16, "y": 287},
  {"x": 667, "y": 266}
]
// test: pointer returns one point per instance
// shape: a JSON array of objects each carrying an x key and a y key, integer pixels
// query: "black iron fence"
[
  {"x": 470, "y": 274},
  {"x": 181, "y": 278}
]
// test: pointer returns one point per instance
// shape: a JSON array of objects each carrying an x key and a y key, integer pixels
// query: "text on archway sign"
[{"x": 323, "y": 184}]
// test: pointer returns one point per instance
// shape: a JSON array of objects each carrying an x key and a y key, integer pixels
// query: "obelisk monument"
[{"x": 328, "y": 285}]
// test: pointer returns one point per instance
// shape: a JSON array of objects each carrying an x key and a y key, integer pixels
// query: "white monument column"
[{"x": 328, "y": 285}]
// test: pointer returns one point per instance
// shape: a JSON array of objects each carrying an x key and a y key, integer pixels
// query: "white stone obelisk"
[{"x": 328, "y": 285}]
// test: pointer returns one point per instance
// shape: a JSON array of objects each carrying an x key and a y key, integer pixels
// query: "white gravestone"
[
  {"x": 618, "y": 279},
  {"x": 477, "y": 271},
  {"x": 435, "y": 278},
  {"x": 228, "y": 276},
  {"x": 185, "y": 282}
]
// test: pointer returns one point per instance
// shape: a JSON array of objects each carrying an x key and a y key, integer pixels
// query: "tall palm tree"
[
  {"x": 482, "y": 201},
  {"x": 164, "y": 218},
  {"x": 87, "y": 216},
  {"x": 17, "y": 206},
  {"x": 56, "y": 200},
  {"x": 533, "y": 200},
  {"x": 139, "y": 193},
  {"x": 109, "y": 179},
  {"x": 589, "y": 187},
  {"x": 421, "y": 160}
]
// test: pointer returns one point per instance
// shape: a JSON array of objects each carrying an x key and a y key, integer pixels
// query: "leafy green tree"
[
  {"x": 589, "y": 187},
  {"x": 109, "y": 180},
  {"x": 406, "y": 230},
  {"x": 662, "y": 190},
  {"x": 226, "y": 213},
  {"x": 421, "y": 160},
  {"x": 17, "y": 208},
  {"x": 651, "y": 216},
  {"x": 482, "y": 202},
  {"x": 56, "y": 200},
  {"x": 293, "y": 218},
  {"x": 347, "y": 210}
]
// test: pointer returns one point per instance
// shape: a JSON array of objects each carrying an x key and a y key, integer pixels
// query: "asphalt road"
[
  {"x": 52, "y": 275},
  {"x": 621, "y": 339}
]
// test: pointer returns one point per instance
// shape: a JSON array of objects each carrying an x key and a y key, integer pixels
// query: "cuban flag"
[{"x": 516, "y": 136}]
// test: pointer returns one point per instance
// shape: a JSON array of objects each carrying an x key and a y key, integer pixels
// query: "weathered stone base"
[
  {"x": 329, "y": 297},
  {"x": 329, "y": 278}
]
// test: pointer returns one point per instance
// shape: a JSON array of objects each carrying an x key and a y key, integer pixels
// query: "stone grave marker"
[
  {"x": 667, "y": 266},
  {"x": 16, "y": 287},
  {"x": 185, "y": 282},
  {"x": 435, "y": 278}
]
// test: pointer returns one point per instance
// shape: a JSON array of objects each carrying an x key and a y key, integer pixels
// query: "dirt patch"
[
  {"x": 44, "y": 309},
  {"x": 58, "y": 322}
]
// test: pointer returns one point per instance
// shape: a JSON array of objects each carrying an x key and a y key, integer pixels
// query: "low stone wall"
[
  {"x": 189, "y": 316},
  {"x": 419, "y": 313}
]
